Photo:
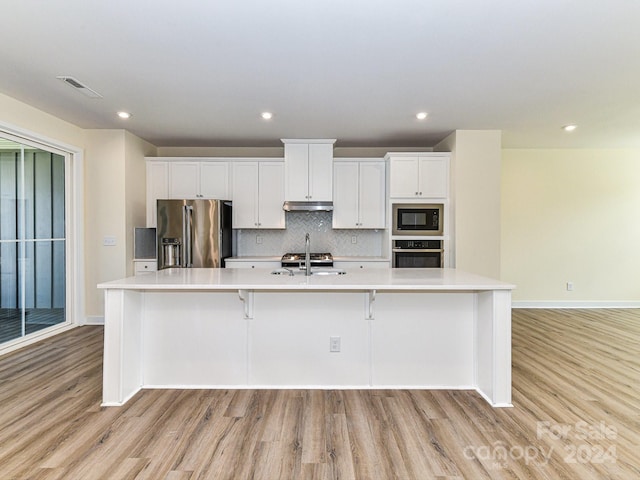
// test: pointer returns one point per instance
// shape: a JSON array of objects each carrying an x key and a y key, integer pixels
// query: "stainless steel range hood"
[{"x": 308, "y": 206}]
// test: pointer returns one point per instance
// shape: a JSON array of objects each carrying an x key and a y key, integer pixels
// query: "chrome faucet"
[{"x": 307, "y": 255}]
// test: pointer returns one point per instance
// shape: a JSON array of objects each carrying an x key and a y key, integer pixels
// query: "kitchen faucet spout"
[{"x": 307, "y": 255}]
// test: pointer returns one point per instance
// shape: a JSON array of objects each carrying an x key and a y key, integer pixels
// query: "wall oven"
[
  {"x": 417, "y": 254},
  {"x": 417, "y": 219}
]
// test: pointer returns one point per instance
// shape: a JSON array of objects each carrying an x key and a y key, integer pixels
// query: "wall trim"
[
  {"x": 36, "y": 337},
  {"x": 94, "y": 320},
  {"x": 576, "y": 304}
]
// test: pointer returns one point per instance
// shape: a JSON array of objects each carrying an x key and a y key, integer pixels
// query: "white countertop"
[{"x": 383, "y": 279}]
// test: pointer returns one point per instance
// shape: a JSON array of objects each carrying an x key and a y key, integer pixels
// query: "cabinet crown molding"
[{"x": 308, "y": 140}]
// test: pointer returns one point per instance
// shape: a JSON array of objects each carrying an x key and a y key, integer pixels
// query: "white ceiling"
[{"x": 200, "y": 72}]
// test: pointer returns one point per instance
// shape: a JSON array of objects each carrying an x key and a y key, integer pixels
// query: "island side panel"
[
  {"x": 122, "y": 370},
  {"x": 194, "y": 339},
  {"x": 423, "y": 340},
  {"x": 493, "y": 348},
  {"x": 290, "y": 336}
]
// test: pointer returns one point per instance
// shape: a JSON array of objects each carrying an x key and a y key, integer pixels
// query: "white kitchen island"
[{"x": 247, "y": 328}]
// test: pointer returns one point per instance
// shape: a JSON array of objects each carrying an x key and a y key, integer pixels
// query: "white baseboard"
[
  {"x": 94, "y": 320},
  {"x": 577, "y": 304}
]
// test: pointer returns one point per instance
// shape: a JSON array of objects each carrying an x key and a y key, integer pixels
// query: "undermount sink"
[{"x": 314, "y": 271}]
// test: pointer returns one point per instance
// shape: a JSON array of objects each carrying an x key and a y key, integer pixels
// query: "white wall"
[
  {"x": 475, "y": 186},
  {"x": 571, "y": 216}
]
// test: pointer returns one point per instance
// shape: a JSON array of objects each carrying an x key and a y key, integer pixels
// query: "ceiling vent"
[{"x": 79, "y": 86}]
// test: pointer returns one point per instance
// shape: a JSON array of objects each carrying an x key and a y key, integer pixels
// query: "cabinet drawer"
[
  {"x": 363, "y": 265},
  {"x": 251, "y": 264},
  {"x": 144, "y": 266}
]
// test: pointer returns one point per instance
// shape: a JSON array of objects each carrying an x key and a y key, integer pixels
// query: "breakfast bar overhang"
[{"x": 246, "y": 328}]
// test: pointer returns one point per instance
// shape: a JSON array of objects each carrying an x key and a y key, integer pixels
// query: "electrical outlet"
[
  {"x": 109, "y": 241},
  {"x": 334, "y": 344},
  {"x": 569, "y": 286},
  {"x": 354, "y": 239},
  {"x": 258, "y": 239}
]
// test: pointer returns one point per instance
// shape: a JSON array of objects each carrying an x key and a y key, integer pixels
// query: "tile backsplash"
[{"x": 323, "y": 238}]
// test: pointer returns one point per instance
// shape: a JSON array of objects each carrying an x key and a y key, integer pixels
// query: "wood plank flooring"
[{"x": 576, "y": 415}]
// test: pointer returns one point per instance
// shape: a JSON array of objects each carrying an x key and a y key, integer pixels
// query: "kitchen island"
[{"x": 247, "y": 328}]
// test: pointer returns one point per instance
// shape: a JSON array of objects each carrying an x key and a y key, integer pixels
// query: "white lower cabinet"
[
  {"x": 252, "y": 263},
  {"x": 258, "y": 195},
  {"x": 347, "y": 264},
  {"x": 144, "y": 266}
]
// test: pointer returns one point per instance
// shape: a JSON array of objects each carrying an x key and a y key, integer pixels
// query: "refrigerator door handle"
[{"x": 187, "y": 229}]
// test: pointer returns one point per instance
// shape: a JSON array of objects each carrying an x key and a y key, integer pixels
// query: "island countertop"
[{"x": 384, "y": 279}]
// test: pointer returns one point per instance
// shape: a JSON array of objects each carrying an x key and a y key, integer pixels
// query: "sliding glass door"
[{"x": 32, "y": 240}]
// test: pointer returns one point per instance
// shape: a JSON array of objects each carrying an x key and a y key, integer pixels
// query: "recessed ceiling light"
[
  {"x": 569, "y": 128},
  {"x": 421, "y": 115},
  {"x": 124, "y": 115},
  {"x": 266, "y": 115}
]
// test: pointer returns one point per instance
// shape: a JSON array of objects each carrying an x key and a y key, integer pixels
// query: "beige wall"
[
  {"x": 104, "y": 209},
  {"x": 112, "y": 188},
  {"x": 23, "y": 116},
  {"x": 571, "y": 216},
  {"x": 115, "y": 177},
  {"x": 135, "y": 149},
  {"x": 475, "y": 199}
]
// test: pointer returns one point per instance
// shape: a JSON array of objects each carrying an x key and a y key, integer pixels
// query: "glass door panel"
[{"x": 32, "y": 240}]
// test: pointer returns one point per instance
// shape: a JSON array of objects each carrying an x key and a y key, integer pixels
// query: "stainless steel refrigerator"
[{"x": 193, "y": 233}]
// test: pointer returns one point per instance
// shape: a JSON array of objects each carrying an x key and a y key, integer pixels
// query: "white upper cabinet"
[
  {"x": 258, "y": 195},
  {"x": 359, "y": 194},
  {"x": 199, "y": 179},
  {"x": 157, "y": 188},
  {"x": 308, "y": 170},
  {"x": 418, "y": 175}
]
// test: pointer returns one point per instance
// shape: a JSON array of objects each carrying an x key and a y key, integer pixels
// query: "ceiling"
[{"x": 199, "y": 73}]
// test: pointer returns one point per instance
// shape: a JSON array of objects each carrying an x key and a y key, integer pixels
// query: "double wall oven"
[{"x": 424, "y": 224}]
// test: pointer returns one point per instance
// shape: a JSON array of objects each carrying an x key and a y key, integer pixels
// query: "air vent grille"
[{"x": 79, "y": 86}]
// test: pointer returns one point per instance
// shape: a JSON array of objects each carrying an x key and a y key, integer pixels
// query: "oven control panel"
[{"x": 417, "y": 244}]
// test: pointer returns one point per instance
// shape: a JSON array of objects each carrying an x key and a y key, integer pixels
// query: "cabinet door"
[
  {"x": 271, "y": 195},
  {"x": 296, "y": 158},
  {"x": 434, "y": 177},
  {"x": 214, "y": 180},
  {"x": 157, "y": 188},
  {"x": 245, "y": 195},
  {"x": 320, "y": 172},
  {"x": 345, "y": 195},
  {"x": 184, "y": 181},
  {"x": 372, "y": 198},
  {"x": 403, "y": 177}
]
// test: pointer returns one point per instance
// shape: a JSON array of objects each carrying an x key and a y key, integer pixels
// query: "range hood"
[{"x": 307, "y": 206}]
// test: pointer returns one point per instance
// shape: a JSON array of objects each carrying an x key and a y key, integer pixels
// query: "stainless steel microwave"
[{"x": 418, "y": 219}]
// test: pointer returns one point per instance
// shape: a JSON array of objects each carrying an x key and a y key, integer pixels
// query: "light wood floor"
[{"x": 576, "y": 415}]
